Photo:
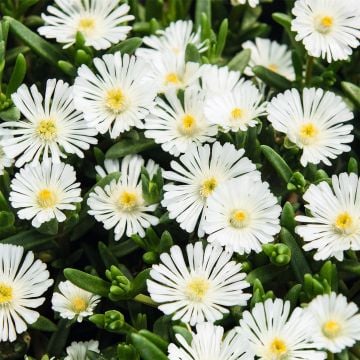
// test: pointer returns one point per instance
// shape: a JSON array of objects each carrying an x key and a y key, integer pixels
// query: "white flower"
[
  {"x": 328, "y": 29},
  {"x": 77, "y": 350},
  {"x": 275, "y": 334},
  {"x": 237, "y": 110},
  {"x": 173, "y": 39},
  {"x": 271, "y": 55},
  {"x": 334, "y": 226},
  {"x": 4, "y": 160},
  {"x": 242, "y": 214},
  {"x": 252, "y": 3},
  {"x": 314, "y": 121},
  {"x": 120, "y": 205},
  {"x": 176, "y": 125},
  {"x": 22, "y": 282},
  {"x": 209, "y": 343},
  {"x": 100, "y": 22},
  {"x": 217, "y": 80},
  {"x": 336, "y": 322},
  {"x": 200, "y": 170},
  {"x": 117, "y": 98},
  {"x": 201, "y": 290},
  {"x": 52, "y": 126},
  {"x": 73, "y": 302},
  {"x": 43, "y": 191}
]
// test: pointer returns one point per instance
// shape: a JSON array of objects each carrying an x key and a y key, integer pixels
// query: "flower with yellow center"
[
  {"x": 115, "y": 100},
  {"x": 197, "y": 288},
  {"x": 331, "y": 329},
  {"x": 6, "y": 294},
  {"x": 87, "y": 26},
  {"x": 188, "y": 125},
  {"x": 79, "y": 304},
  {"x": 273, "y": 67},
  {"x": 308, "y": 133},
  {"x": 278, "y": 349},
  {"x": 47, "y": 198},
  {"x": 236, "y": 113},
  {"x": 344, "y": 223},
  {"x": 47, "y": 129},
  {"x": 323, "y": 23},
  {"x": 239, "y": 219},
  {"x": 128, "y": 200},
  {"x": 172, "y": 79},
  {"x": 208, "y": 186}
]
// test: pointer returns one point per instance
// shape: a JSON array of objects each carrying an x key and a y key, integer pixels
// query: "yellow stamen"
[
  {"x": 236, "y": 113},
  {"x": 86, "y": 25},
  {"x": 6, "y": 294},
  {"x": 273, "y": 67},
  {"x": 47, "y": 129},
  {"x": 208, "y": 186},
  {"x": 128, "y": 200},
  {"x": 239, "y": 219},
  {"x": 172, "y": 78},
  {"x": 115, "y": 100},
  {"x": 278, "y": 349},
  {"x": 308, "y": 133},
  {"x": 197, "y": 289},
  {"x": 78, "y": 304},
  {"x": 324, "y": 24},
  {"x": 331, "y": 329},
  {"x": 344, "y": 222},
  {"x": 187, "y": 125},
  {"x": 46, "y": 198}
]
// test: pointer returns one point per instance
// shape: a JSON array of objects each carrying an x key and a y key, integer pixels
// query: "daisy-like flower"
[
  {"x": 52, "y": 126},
  {"x": 328, "y": 28},
  {"x": 334, "y": 224},
  {"x": 100, "y": 22},
  {"x": 237, "y": 110},
  {"x": 252, "y": 3},
  {"x": 173, "y": 39},
  {"x": 314, "y": 121},
  {"x": 77, "y": 350},
  {"x": 72, "y": 302},
  {"x": 119, "y": 97},
  {"x": 4, "y": 160},
  {"x": 275, "y": 334},
  {"x": 175, "y": 125},
  {"x": 336, "y": 322},
  {"x": 242, "y": 214},
  {"x": 209, "y": 343},
  {"x": 42, "y": 191},
  {"x": 271, "y": 55},
  {"x": 200, "y": 170},
  {"x": 22, "y": 282},
  {"x": 120, "y": 205},
  {"x": 200, "y": 291}
]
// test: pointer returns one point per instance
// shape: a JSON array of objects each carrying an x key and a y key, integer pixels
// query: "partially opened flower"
[
  {"x": 77, "y": 350},
  {"x": 73, "y": 302},
  {"x": 334, "y": 224},
  {"x": 199, "y": 171},
  {"x": 118, "y": 97},
  {"x": 176, "y": 124},
  {"x": 271, "y": 55},
  {"x": 199, "y": 289},
  {"x": 242, "y": 214},
  {"x": 120, "y": 204},
  {"x": 42, "y": 191},
  {"x": 51, "y": 128},
  {"x": 336, "y": 322},
  {"x": 22, "y": 282},
  {"x": 314, "y": 121},
  {"x": 208, "y": 343},
  {"x": 275, "y": 333},
  {"x": 328, "y": 29},
  {"x": 102, "y": 23}
]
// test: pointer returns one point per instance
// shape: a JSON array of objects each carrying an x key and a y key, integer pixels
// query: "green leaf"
[
  {"x": 127, "y": 46},
  {"x": 298, "y": 261},
  {"x": 155, "y": 339},
  {"x": 146, "y": 349},
  {"x": 277, "y": 162},
  {"x": 352, "y": 92},
  {"x": 287, "y": 219},
  {"x": 240, "y": 60},
  {"x": 30, "y": 239},
  {"x": 106, "y": 255},
  {"x": 7, "y": 219},
  {"x": 88, "y": 282},
  {"x": 67, "y": 68},
  {"x": 139, "y": 283},
  {"x": 41, "y": 47},
  {"x": 185, "y": 333},
  {"x": 129, "y": 146},
  {"x": 192, "y": 53},
  {"x": 202, "y": 7},
  {"x": 49, "y": 228},
  {"x": 271, "y": 78},
  {"x": 265, "y": 273},
  {"x": 221, "y": 40},
  {"x": 10, "y": 114},
  {"x": 154, "y": 9},
  {"x": 17, "y": 75},
  {"x": 353, "y": 166},
  {"x": 58, "y": 338},
  {"x": 43, "y": 324}
]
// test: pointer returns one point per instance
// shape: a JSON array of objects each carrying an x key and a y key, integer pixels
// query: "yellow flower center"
[
  {"x": 331, "y": 329},
  {"x": 187, "y": 125},
  {"x": 308, "y": 133},
  {"x": 115, "y": 100},
  {"x": 236, "y": 113},
  {"x": 46, "y": 198},
  {"x": 47, "y": 129},
  {"x": 273, "y": 67},
  {"x": 6, "y": 294},
  {"x": 196, "y": 289},
  {"x": 208, "y": 186},
  {"x": 86, "y": 25},
  {"x": 344, "y": 223},
  {"x": 128, "y": 200},
  {"x": 78, "y": 304},
  {"x": 239, "y": 219},
  {"x": 172, "y": 78},
  {"x": 278, "y": 349},
  {"x": 324, "y": 24}
]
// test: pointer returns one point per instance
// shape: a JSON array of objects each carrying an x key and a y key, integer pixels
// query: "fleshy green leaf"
[
  {"x": 240, "y": 61},
  {"x": 17, "y": 75},
  {"x": 129, "y": 146},
  {"x": 271, "y": 78}
]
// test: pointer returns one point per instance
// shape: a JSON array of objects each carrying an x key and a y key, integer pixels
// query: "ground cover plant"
[{"x": 179, "y": 179}]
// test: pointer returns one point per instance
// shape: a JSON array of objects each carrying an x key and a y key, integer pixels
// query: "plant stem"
[
  {"x": 309, "y": 69},
  {"x": 144, "y": 299},
  {"x": 330, "y": 356}
]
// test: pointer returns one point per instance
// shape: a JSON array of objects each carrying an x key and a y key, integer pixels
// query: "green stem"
[
  {"x": 309, "y": 70},
  {"x": 144, "y": 299},
  {"x": 330, "y": 356}
]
